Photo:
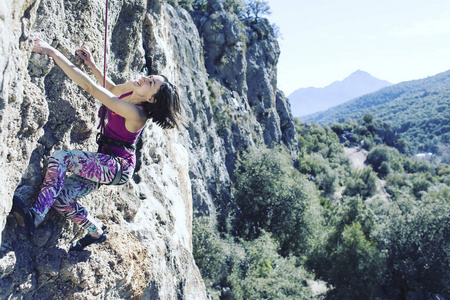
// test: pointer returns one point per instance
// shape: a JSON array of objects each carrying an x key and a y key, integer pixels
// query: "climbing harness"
[{"x": 105, "y": 140}]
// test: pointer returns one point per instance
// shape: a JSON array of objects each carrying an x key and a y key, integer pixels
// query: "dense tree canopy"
[
  {"x": 272, "y": 196},
  {"x": 383, "y": 229}
]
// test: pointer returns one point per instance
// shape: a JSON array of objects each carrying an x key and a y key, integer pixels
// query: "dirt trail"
[{"x": 357, "y": 156}]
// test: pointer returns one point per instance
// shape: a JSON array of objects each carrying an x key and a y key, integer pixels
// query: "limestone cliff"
[
  {"x": 248, "y": 110},
  {"x": 227, "y": 80}
]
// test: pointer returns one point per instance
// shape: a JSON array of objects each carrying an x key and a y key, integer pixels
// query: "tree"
[
  {"x": 235, "y": 6},
  {"x": 377, "y": 156},
  {"x": 368, "y": 118},
  {"x": 264, "y": 274},
  {"x": 415, "y": 236},
  {"x": 255, "y": 9},
  {"x": 209, "y": 249},
  {"x": 348, "y": 259},
  {"x": 245, "y": 269},
  {"x": 383, "y": 159},
  {"x": 362, "y": 183},
  {"x": 272, "y": 196}
]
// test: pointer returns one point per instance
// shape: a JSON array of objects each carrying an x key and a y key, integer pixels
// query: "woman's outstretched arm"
[
  {"x": 126, "y": 110},
  {"x": 85, "y": 54}
]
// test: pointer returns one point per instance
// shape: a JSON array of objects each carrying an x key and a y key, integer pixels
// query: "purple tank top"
[{"x": 115, "y": 128}]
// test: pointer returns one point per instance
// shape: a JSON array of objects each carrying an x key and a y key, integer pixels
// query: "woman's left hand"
[
  {"x": 86, "y": 55},
  {"x": 42, "y": 47}
]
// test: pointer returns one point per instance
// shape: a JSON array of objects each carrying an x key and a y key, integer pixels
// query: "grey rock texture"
[
  {"x": 241, "y": 63},
  {"x": 226, "y": 74}
]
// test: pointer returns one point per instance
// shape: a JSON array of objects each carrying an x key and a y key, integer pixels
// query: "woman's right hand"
[
  {"x": 85, "y": 54},
  {"x": 42, "y": 47}
]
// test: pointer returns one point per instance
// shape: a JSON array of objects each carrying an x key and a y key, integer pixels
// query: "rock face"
[{"x": 226, "y": 74}]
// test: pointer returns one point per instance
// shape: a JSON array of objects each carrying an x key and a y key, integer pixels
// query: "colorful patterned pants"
[{"x": 89, "y": 170}]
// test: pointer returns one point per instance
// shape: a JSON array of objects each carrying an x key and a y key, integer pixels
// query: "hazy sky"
[{"x": 327, "y": 40}]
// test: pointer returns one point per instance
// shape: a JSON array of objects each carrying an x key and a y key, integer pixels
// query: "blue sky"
[{"x": 326, "y": 40}]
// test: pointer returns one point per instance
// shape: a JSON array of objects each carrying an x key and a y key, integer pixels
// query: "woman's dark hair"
[{"x": 166, "y": 111}]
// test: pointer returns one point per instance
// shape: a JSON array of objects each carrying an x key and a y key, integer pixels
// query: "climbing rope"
[
  {"x": 103, "y": 109},
  {"x": 106, "y": 41}
]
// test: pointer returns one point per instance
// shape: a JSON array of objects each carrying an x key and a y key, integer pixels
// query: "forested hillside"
[
  {"x": 306, "y": 101},
  {"x": 418, "y": 110},
  {"x": 294, "y": 218},
  {"x": 377, "y": 233}
]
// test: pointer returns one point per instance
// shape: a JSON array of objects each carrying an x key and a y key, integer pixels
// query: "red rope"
[
  {"x": 106, "y": 45},
  {"x": 103, "y": 109}
]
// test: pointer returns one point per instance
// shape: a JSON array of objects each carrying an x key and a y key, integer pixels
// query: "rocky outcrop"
[
  {"x": 230, "y": 101},
  {"x": 241, "y": 59},
  {"x": 149, "y": 251}
]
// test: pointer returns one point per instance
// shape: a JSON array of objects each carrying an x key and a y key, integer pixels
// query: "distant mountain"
[
  {"x": 310, "y": 100},
  {"x": 418, "y": 110}
]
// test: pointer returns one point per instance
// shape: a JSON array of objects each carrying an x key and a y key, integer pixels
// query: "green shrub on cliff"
[{"x": 255, "y": 10}]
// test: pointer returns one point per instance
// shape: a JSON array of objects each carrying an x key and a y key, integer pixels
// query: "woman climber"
[{"x": 129, "y": 105}]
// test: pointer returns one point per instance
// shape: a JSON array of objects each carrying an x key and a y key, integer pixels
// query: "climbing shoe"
[
  {"x": 88, "y": 240},
  {"x": 24, "y": 217}
]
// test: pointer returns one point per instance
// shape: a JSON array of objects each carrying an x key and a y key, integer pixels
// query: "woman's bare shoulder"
[
  {"x": 134, "y": 125},
  {"x": 120, "y": 89}
]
